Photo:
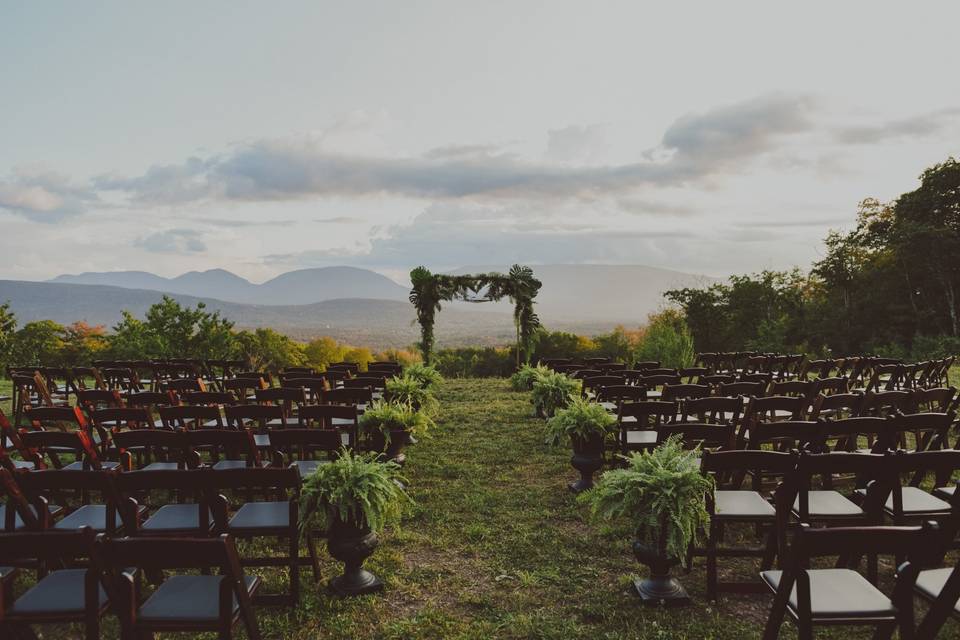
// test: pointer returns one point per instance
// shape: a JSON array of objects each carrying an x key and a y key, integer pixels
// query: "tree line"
[{"x": 888, "y": 287}]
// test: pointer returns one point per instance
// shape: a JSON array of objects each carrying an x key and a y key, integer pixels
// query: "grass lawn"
[{"x": 498, "y": 548}]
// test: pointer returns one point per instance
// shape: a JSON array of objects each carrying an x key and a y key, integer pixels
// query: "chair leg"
[
  {"x": 884, "y": 631},
  {"x": 712, "y": 561},
  {"x": 312, "y": 550},
  {"x": 804, "y": 629},
  {"x": 295, "y": 568},
  {"x": 770, "y": 551}
]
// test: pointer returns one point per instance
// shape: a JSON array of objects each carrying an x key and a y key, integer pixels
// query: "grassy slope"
[{"x": 497, "y": 548}]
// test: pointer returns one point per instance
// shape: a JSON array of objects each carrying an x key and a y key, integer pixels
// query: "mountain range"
[{"x": 354, "y": 305}]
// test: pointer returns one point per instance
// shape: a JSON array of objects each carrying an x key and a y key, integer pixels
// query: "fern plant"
[
  {"x": 553, "y": 391},
  {"x": 524, "y": 378},
  {"x": 386, "y": 417},
  {"x": 661, "y": 492},
  {"x": 581, "y": 419},
  {"x": 355, "y": 489},
  {"x": 427, "y": 376},
  {"x": 408, "y": 390}
]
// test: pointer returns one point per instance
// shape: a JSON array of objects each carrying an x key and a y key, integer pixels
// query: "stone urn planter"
[
  {"x": 352, "y": 545},
  {"x": 661, "y": 588},
  {"x": 392, "y": 450},
  {"x": 587, "y": 459}
]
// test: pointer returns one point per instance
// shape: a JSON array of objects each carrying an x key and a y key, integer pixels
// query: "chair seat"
[
  {"x": 637, "y": 437},
  {"x": 235, "y": 464},
  {"x": 18, "y": 522},
  {"x": 829, "y": 504},
  {"x": 945, "y": 492},
  {"x": 261, "y": 440},
  {"x": 743, "y": 504},
  {"x": 174, "y": 517},
  {"x": 307, "y": 467},
  {"x": 193, "y": 599},
  {"x": 261, "y": 515},
  {"x": 930, "y": 584},
  {"x": 838, "y": 593},
  {"x": 162, "y": 466},
  {"x": 341, "y": 422},
  {"x": 7, "y": 572},
  {"x": 78, "y": 465},
  {"x": 918, "y": 502},
  {"x": 609, "y": 406},
  {"x": 93, "y": 516},
  {"x": 60, "y": 592},
  {"x": 22, "y": 464}
]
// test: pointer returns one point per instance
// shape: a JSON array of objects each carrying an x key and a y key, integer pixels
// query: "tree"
[
  {"x": 268, "y": 350},
  {"x": 38, "y": 344},
  {"x": 8, "y": 327},
  {"x": 82, "y": 343},
  {"x": 667, "y": 340},
  {"x": 173, "y": 331},
  {"x": 319, "y": 353}
]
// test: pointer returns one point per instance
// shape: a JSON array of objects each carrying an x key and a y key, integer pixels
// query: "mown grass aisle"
[{"x": 497, "y": 547}]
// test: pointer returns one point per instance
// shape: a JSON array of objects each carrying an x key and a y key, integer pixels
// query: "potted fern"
[
  {"x": 662, "y": 494},
  {"x": 586, "y": 425},
  {"x": 353, "y": 498},
  {"x": 388, "y": 426},
  {"x": 427, "y": 376},
  {"x": 552, "y": 391},
  {"x": 525, "y": 376},
  {"x": 408, "y": 390}
]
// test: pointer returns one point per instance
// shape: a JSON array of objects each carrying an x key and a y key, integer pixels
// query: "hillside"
[
  {"x": 294, "y": 288},
  {"x": 370, "y": 322}
]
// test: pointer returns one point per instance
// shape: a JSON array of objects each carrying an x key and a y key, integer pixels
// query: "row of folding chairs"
[{"x": 885, "y": 493}]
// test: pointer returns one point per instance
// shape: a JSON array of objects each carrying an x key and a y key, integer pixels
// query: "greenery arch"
[{"x": 431, "y": 289}]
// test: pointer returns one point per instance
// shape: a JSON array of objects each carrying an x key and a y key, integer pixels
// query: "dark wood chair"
[
  {"x": 359, "y": 398},
  {"x": 838, "y": 405},
  {"x": 61, "y": 595},
  {"x": 712, "y": 410},
  {"x": 638, "y": 422},
  {"x": 940, "y": 587},
  {"x": 344, "y": 419},
  {"x": 313, "y": 386},
  {"x": 275, "y": 518},
  {"x": 305, "y": 449},
  {"x": 153, "y": 450},
  {"x": 183, "y": 602},
  {"x": 729, "y": 504},
  {"x": 191, "y": 417},
  {"x": 40, "y": 489},
  {"x": 677, "y": 392},
  {"x": 259, "y": 418},
  {"x": 770, "y": 409},
  {"x": 745, "y": 389},
  {"x": 842, "y": 596},
  {"x": 188, "y": 517},
  {"x": 228, "y": 448},
  {"x": 50, "y": 446}
]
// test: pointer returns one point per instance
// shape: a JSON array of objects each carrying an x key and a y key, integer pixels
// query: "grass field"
[{"x": 497, "y": 548}]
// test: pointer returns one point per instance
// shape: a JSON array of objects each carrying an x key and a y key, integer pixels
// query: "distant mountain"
[
  {"x": 599, "y": 293},
  {"x": 294, "y": 288},
  {"x": 374, "y": 323}
]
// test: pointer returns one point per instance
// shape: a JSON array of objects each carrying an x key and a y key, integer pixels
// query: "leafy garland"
[{"x": 431, "y": 289}]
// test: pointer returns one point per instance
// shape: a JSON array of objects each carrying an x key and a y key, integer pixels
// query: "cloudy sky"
[{"x": 263, "y": 137}]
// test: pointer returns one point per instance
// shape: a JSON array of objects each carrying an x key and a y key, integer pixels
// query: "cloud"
[
  {"x": 339, "y": 220},
  {"x": 920, "y": 126},
  {"x": 451, "y": 235},
  {"x": 577, "y": 143},
  {"x": 173, "y": 241},
  {"x": 695, "y": 147},
  {"x": 43, "y": 196}
]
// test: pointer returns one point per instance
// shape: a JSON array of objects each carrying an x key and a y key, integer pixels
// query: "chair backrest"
[
  {"x": 793, "y": 434},
  {"x": 287, "y": 397},
  {"x": 49, "y": 445},
  {"x": 847, "y": 431},
  {"x": 227, "y": 444},
  {"x": 347, "y": 396},
  {"x": 884, "y": 403},
  {"x": 868, "y": 468},
  {"x": 939, "y": 399},
  {"x": 151, "y": 399},
  {"x": 48, "y": 545},
  {"x": 51, "y": 486},
  {"x": 368, "y": 381},
  {"x": 210, "y": 398},
  {"x": 771, "y": 407},
  {"x": 646, "y": 365},
  {"x": 698, "y": 434},
  {"x": 844, "y": 405},
  {"x": 794, "y": 388},
  {"x": 648, "y": 414},
  {"x": 191, "y": 417},
  {"x": 931, "y": 430},
  {"x": 91, "y": 399},
  {"x": 322, "y": 415},
  {"x": 618, "y": 393},
  {"x": 596, "y": 383},
  {"x": 746, "y": 389},
  {"x": 760, "y": 463},
  {"x": 240, "y": 416},
  {"x": 151, "y": 445},
  {"x": 304, "y": 444},
  {"x": 829, "y": 386},
  {"x": 712, "y": 410},
  {"x": 120, "y": 418},
  {"x": 685, "y": 391}
]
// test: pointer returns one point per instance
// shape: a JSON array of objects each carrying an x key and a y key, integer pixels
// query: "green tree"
[
  {"x": 321, "y": 352},
  {"x": 667, "y": 339},
  {"x": 170, "y": 330},
  {"x": 268, "y": 350},
  {"x": 38, "y": 344},
  {"x": 8, "y": 327}
]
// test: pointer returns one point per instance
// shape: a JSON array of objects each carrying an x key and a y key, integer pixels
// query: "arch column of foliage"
[{"x": 431, "y": 289}]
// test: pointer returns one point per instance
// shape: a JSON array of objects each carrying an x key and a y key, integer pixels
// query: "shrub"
[
  {"x": 389, "y": 416},
  {"x": 553, "y": 391},
  {"x": 356, "y": 489},
  {"x": 661, "y": 492},
  {"x": 427, "y": 376},
  {"x": 475, "y": 362},
  {"x": 580, "y": 419},
  {"x": 523, "y": 379},
  {"x": 408, "y": 390},
  {"x": 668, "y": 340}
]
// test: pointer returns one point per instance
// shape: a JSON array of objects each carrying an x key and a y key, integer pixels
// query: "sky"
[{"x": 711, "y": 138}]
